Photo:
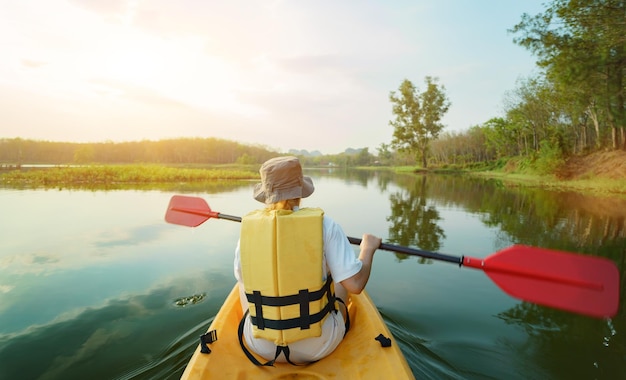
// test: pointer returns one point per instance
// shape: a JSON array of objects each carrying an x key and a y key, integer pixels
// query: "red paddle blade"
[
  {"x": 581, "y": 284},
  {"x": 188, "y": 211}
]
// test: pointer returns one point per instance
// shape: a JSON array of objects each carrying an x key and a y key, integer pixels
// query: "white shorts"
[{"x": 302, "y": 351}]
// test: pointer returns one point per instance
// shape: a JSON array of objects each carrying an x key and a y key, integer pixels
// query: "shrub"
[{"x": 549, "y": 159}]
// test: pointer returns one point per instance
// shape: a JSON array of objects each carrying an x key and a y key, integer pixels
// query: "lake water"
[{"x": 94, "y": 284}]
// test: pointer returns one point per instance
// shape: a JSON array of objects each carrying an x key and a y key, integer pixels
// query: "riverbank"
[
  {"x": 600, "y": 173},
  {"x": 128, "y": 176}
]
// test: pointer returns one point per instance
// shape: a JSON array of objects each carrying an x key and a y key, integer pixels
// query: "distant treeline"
[{"x": 17, "y": 151}]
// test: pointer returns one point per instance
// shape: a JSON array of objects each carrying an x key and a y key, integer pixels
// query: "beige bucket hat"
[{"x": 281, "y": 178}]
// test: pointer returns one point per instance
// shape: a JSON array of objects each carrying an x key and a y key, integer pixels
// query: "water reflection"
[
  {"x": 532, "y": 216},
  {"x": 91, "y": 280},
  {"x": 121, "y": 339},
  {"x": 552, "y": 333},
  {"x": 413, "y": 219},
  {"x": 130, "y": 236},
  {"x": 537, "y": 217}
]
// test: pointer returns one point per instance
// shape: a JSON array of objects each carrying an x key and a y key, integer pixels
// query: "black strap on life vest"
[
  {"x": 279, "y": 349},
  {"x": 347, "y": 323},
  {"x": 245, "y": 349},
  {"x": 255, "y": 361},
  {"x": 303, "y": 298}
]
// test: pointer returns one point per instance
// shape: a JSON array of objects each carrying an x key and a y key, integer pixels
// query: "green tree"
[
  {"x": 384, "y": 153},
  {"x": 502, "y": 136},
  {"x": 418, "y": 116},
  {"x": 534, "y": 108},
  {"x": 581, "y": 45},
  {"x": 364, "y": 157}
]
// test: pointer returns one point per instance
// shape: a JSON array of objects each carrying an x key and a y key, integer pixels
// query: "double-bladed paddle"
[{"x": 582, "y": 284}]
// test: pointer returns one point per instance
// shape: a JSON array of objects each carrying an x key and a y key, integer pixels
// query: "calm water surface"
[{"x": 94, "y": 284}]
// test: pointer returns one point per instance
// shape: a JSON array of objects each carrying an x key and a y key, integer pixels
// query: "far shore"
[{"x": 72, "y": 176}]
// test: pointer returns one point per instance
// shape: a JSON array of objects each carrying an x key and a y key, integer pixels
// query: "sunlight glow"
[
  {"x": 251, "y": 71},
  {"x": 132, "y": 61},
  {"x": 177, "y": 69}
]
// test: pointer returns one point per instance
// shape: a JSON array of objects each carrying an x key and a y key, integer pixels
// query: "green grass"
[
  {"x": 213, "y": 178},
  {"x": 518, "y": 172},
  {"x": 108, "y": 175},
  {"x": 590, "y": 184}
]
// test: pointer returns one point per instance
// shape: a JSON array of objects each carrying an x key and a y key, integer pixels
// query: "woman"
[{"x": 287, "y": 262}]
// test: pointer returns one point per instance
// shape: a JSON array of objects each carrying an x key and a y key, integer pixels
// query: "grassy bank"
[
  {"x": 591, "y": 185},
  {"x": 599, "y": 173},
  {"x": 108, "y": 175}
]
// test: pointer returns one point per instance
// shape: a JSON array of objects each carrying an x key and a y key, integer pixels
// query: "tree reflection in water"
[
  {"x": 538, "y": 217},
  {"x": 413, "y": 220}
]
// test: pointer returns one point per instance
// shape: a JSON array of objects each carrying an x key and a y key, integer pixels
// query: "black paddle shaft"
[{"x": 414, "y": 252}]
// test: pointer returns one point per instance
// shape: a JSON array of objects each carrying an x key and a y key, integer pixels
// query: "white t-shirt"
[{"x": 340, "y": 260}]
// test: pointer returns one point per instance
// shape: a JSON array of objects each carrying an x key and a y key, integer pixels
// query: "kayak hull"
[{"x": 359, "y": 356}]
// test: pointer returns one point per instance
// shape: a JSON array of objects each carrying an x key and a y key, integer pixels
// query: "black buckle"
[
  {"x": 209, "y": 337},
  {"x": 384, "y": 341}
]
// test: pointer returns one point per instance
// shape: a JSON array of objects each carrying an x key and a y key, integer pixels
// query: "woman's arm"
[{"x": 357, "y": 282}]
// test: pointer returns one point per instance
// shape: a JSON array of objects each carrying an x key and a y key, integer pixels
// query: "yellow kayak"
[{"x": 359, "y": 356}]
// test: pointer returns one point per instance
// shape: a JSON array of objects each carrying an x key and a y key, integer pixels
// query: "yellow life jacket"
[{"x": 283, "y": 274}]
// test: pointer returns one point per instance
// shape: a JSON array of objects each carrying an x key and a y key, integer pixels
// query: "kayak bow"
[{"x": 359, "y": 356}]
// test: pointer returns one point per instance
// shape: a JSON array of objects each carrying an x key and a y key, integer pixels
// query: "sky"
[{"x": 283, "y": 74}]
